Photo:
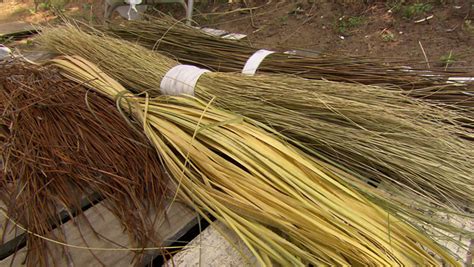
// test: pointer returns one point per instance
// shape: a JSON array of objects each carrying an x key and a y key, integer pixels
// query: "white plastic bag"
[
  {"x": 5, "y": 52},
  {"x": 133, "y": 6}
]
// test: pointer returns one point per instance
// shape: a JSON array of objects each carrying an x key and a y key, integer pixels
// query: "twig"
[
  {"x": 232, "y": 11},
  {"x": 252, "y": 21},
  {"x": 424, "y": 54},
  {"x": 424, "y": 19},
  {"x": 251, "y": 15}
]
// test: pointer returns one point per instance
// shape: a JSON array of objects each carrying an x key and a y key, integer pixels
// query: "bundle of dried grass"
[
  {"x": 286, "y": 207},
  {"x": 409, "y": 147},
  {"x": 63, "y": 142},
  {"x": 193, "y": 46}
]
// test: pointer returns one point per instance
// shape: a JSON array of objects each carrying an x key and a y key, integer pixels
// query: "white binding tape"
[
  {"x": 254, "y": 61},
  {"x": 461, "y": 79},
  {"x": 181, "y": 80}
]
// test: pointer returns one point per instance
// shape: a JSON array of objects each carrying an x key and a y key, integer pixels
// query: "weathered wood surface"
[
  {"x": 211, "y": 248},
  {"x": 469, "y": 258},
  {"x": 179, "y": 220},
  {"x": 464, "y": 252},
  {"x": 12, "y": 28},
  {"x": 8, "y": 230}
]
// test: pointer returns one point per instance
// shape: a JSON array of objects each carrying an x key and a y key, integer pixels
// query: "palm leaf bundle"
[
  {"x": 286, "y": 207},
  {"x": 408, "y": 147},
  {"x": 61, "y": 143},
  {"x": 193, "y": 46}
]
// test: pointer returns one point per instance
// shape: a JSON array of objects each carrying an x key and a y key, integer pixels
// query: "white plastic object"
[
  {"x": 4, "y": 52},
  {"x": 133, "y": 6}
]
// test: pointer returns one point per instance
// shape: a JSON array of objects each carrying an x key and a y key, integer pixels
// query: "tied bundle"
[
  {"x": 193, "y": 46},
  {"x": 286, "y": 207},
  {"x": 407, "y": 147},
  {"x": 62, "y": 143}
]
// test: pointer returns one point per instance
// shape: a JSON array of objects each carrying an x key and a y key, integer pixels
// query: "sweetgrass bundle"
[
  {"x": 62, "y": 143},
  {"x": 409, "y": 148},
  {"x": 193, "y": 46},
  {"x": 285, "y": 206}
]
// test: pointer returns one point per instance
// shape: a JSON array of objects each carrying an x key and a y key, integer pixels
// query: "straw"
[
  {"x": 286, "y": 207},
  {"x": 63, "y": 142},
  {"x": 406, "y": 146},
  {"x": 193, "y": 46}
]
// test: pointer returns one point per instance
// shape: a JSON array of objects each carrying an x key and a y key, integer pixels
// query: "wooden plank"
[
  {"x": 15, "y": 28},
  {"x": 179, "y": 220},
  {"x": 210, "y": 248},
  {"x": 19, "y": 241},
  {"x": 469, "y": 259},
  {"x": 7, "y": 230},
  {"x": 217, "y": 245},
  {"x": 464, "y": 252}
]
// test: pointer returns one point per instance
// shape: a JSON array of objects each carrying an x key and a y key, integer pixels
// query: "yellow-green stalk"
[{"x": 287, "y": 207}]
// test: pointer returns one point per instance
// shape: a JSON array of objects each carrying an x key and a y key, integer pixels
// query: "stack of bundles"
[
  {"x": 286, "y": 207},
  {"x": 408, "y": 146},
  {"x": 193, "y": 46},
  {"x": 61, "y": 143}
]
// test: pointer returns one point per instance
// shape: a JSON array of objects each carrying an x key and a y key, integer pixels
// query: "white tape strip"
[
  {"x": 461, "y": 79},
  {"x": 254, "y": 61},
  {"x": 181, "y": 80}
]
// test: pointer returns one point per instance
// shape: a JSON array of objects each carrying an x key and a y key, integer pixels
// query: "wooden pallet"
[
  {"x": 15, "y": 29},
  {"x": 216, "y": 245},
  {"x": 178, "y": 221}
]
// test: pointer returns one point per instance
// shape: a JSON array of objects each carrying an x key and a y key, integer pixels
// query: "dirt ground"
[
  {"x": 46, "y": 10},
  {"x": 378, "y": 29},
  {"x": 381, "y": 29}
]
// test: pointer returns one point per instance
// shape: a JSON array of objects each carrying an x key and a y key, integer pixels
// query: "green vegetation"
[
  {"x": 29, "y": 42},
  {"x": 468, "y": 26},
  {"x": 347, "y": 24},
  {"x": 416, "y": 9},
  {"x": 388, "y": 36},
  {"x": 411, "y": 10},
  {"x": 86, "y": 6},
  {"x": 284, "y": 20},
  {"x": 5, "y": 40},
  {"x": 51, "y": 4},
  {"x": 448, "y": 59}
]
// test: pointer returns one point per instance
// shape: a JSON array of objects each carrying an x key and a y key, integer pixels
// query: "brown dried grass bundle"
[
  {"x": 408, "y": 146},
  {"x": 63, "y": 142},
  {"x": 193, "y": 46},
  {"x": 288, "y": 208}
]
